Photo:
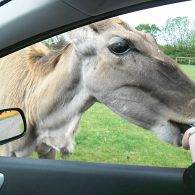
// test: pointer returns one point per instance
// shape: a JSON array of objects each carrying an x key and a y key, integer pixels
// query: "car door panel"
[{"x": 26, "y": 176}]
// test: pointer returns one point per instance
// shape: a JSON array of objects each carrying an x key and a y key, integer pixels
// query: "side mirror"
[{"x": 12, "y": 125}]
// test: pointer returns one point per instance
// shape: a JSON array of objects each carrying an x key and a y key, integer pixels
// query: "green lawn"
[
  {"x": 189, "y": 70},
  {"x": 105, "y": 137}
]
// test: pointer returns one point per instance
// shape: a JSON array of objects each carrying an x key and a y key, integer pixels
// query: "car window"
[{"x": 116, "y": 91}]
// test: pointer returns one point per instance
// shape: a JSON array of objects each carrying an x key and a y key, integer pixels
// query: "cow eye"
[{"x": 118, "y": 46}]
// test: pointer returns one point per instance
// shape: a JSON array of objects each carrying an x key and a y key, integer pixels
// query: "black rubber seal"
[{"x": 3, "y": 2}]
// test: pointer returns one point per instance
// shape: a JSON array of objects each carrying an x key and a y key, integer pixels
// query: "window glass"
[{"x": 116, "y": 91}]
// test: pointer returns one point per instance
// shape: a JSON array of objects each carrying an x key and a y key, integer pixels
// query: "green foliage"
[
  {"x": 178, "y": 52},
  {"x": 189, "y": 70},
  {"x": 56, "y": 42},
  {"x": 180, "y": 37},
  {"x": 152, "y": 29},
  {"x": 177, "y": 32}
]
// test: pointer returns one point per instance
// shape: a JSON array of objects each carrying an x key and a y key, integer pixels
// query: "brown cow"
[{"x": 108, "y": 62}]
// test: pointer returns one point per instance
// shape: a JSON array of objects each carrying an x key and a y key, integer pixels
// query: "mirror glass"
[{"x": 12, "y": 124}]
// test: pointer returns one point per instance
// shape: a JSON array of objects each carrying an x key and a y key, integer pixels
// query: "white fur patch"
[{"x": 62, "y": 137}]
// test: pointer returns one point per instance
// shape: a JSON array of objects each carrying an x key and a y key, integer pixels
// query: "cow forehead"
[
  {"x": 112, "y": 23},
  {"x": 118, "y": 27}
]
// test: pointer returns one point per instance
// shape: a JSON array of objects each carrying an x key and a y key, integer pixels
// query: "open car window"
[{"x": 92, "y": 94}]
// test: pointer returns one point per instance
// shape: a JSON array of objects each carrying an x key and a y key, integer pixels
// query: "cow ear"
[
  {"x": 36, "y": 51},
  {"x": 112, "y": 23},
  {"x": 41, "y": 60},
  {"x": 101, "y": 26},
  {"x": 84, "y": 40},
  {"x": 95, "y": 28},
  {"x": 104, "y": 25},
  {"x": 81, "y": 34},
  {"x": 89, "y": 32}
]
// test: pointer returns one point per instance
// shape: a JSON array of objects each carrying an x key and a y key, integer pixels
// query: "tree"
[
  {"x": 179, "y": 35},
  {"x": 177, "y": 32},
  {"x": 192, "y": 37},
  {"x": 56, "y": 42},
  {"x": 152, "y": 29}
]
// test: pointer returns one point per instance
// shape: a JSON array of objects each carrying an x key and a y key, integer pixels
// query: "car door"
[{"x": 23, "y": 23}]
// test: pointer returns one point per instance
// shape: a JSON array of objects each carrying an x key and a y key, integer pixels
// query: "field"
[
  {"x": 189, "y": 70},
  {"x": 105, "y": 137}
]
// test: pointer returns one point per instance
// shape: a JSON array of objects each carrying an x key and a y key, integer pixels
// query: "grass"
[
  {"x": 105, "y": 137},
  {"x": 189, "y": 70}
]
